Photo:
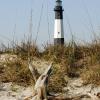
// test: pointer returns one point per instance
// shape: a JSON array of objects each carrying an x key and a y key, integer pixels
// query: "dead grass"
[
  {"x": 16, "y": 72},
  {"x": 57, "y": 79},
  {"x": 24, "y": 49},
  {"x": 80, "y": 61},
  {"x": 91, "y": 75},
  {"x": 27, "y": 49}
]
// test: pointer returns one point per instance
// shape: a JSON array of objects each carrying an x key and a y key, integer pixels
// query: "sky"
[{"x": 81, "y": 18}]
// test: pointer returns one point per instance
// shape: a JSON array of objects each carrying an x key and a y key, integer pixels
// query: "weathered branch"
[
  {"x": 40, "y": 89},
  {"x": 41, "y": 84},
  {"x": 33, "y": 70}
]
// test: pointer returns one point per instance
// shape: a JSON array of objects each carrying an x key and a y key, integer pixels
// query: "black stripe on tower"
[
  {"x": 58, "y": 12},
  {"x": 58, "y": 41}
]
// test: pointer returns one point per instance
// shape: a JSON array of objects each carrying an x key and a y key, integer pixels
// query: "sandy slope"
[
  {"x": 74, "y": 89},
  {"x": 9, "y": 91}
]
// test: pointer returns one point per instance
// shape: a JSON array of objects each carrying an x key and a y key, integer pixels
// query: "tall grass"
[
  {"x": 71, "y": 59},
  {"x": 16, "y": 72},
  {"x": 24, "y": 49}
]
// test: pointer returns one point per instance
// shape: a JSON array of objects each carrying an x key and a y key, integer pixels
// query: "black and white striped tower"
[{"x": 58, "y": 28}]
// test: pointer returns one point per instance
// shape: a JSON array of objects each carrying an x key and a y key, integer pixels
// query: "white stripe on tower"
[
  {"x": 58, "y": 28},
  {"x": 58, "y": 33}
]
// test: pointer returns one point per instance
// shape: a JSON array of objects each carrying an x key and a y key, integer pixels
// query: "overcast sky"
[{"x": 82, "y": 15}]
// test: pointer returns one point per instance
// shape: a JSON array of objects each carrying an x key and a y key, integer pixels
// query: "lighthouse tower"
[{"x": 58, "y": 27}]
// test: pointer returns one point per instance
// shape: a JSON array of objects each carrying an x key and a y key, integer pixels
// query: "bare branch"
[
  {"x": 40, "y": 89},
  {"x": 33, "y": 70}
]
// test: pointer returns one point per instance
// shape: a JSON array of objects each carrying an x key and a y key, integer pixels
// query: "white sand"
[{"x": 9, "y": 91}]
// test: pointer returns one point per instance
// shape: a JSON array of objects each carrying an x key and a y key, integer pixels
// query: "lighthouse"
[{"x": 58, "y": 27}]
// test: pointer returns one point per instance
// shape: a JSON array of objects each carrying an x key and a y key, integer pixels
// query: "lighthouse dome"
[{"x": 58, "y": 3}]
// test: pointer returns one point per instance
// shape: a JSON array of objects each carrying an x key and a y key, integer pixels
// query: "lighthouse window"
[
  {"x": 58, "y": 32},
  {"x": 59, "y": 3}
]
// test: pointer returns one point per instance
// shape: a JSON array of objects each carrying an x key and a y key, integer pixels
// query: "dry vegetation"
[
  {"x": 16, "y": 72},
  {"x": 71, "y": 60}
]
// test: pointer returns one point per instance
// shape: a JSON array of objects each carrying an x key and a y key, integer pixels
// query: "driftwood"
[
  {"x": 40, "y": 89},
  {"x": 41, "y": 83},
  {"x": 33, "y": 70}
]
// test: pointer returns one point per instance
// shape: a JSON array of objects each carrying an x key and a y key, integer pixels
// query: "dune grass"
[{"x": 70, "y": 60}]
